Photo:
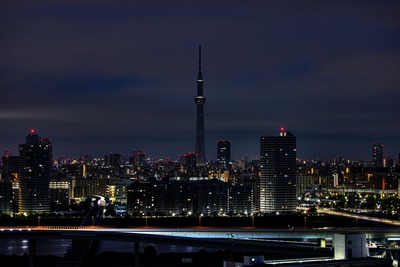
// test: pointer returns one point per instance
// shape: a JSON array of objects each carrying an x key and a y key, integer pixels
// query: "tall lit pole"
[
  {"x": 200, "y": 220},
  {"x": 145, "y": 214}
]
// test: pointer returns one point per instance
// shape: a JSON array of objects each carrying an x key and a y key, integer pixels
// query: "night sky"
[{"x": 113, "y": 76}]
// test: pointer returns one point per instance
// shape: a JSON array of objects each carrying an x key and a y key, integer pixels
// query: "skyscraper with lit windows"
[
  {"x": 34, "y": 166},
  {"x": 224, "y": 152},
  {"x": 377, "y": 154},
  {"x": 138, "y": 158},
  {"x": 278, "y": 173}
]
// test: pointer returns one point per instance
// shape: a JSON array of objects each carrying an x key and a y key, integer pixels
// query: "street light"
[
  {"x": 200, "y": 219},
  {"x": 145, "y": 214}
]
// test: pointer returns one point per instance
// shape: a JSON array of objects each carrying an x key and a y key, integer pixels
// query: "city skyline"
[{"x": 100, "y": 77}]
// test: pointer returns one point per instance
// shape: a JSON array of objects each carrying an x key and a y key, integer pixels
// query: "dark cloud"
[{"x": 99, "y": 76}]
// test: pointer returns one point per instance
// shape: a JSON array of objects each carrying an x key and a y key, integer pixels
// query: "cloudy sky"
[{"x": 113, "y": 76}]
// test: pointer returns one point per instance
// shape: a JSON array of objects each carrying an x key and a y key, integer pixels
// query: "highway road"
[{"x": 129, "y": 234}]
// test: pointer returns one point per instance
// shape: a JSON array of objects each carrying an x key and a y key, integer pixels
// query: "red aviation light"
[
  {"x": 32, "y": 131},
  {"x": 282, "y": 132}
]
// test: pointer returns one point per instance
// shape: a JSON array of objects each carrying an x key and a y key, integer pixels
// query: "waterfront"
[
  {"x": 115, "y": 247},
  {"x": 58, "y": 247},
  {"x": 55, "y": 247}
]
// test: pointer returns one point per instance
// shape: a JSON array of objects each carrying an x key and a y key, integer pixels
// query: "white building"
[{"x": 350, "y": 245}]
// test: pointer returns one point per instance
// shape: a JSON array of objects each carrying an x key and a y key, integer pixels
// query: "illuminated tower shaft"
[{"x": 200, "y": 149}]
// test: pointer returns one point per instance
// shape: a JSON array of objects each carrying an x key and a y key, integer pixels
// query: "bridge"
[{"x": 302, "y": 241}]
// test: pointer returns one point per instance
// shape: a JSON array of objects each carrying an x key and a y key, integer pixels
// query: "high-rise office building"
[
  {"x": 278, "y": 173},
  {"x": 200, "y": 149},
  {"x": 8, "y": 175},
  {"x": 9, "y": 165},
  {"x": 112, "y": 159},
  {"x": 224, "y": 152},
  {"x": 189, "y": 161},
  {"x": 377, "y": 154},
  {"x": 59, "y": 188},
  {"x": 138, "y": 158},
  {"x": 34, "y": 166}
]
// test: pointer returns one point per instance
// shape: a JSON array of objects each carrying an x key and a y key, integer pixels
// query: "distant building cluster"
[
  {"x": 200, "y": 197},
  {"x": 33, "y": 182}
]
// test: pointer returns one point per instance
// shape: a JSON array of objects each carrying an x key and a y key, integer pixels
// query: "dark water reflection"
[
  {"x": 58, "y": 247},
  {"x": 130, "y": 247}
]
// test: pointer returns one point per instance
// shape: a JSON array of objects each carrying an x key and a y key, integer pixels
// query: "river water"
[{"x": 58, "y": 247}]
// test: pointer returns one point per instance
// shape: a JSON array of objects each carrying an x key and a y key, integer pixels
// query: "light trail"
[{"x": 362, "y": 217}]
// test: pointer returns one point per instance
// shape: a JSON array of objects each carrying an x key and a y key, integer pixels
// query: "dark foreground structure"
[
  {"x": 150, "y": 258},
  {"x": 211, "y": 252}
]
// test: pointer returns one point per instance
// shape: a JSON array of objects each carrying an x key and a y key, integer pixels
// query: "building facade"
[
  {"x": 6, "y": 200},
  {"x": 189, "y": 162},
  {"x": 138, "y": 158},
  {"x": 377, "y": 155},
  {"x": 34, "y": 166},
  {"x": 278, "y": 173},
  {"x": 59, "y": 188},
  {"x": 224, "y": 153},
  {"x": 195, "y": 197},
  {"x": 116, "y": 190}
]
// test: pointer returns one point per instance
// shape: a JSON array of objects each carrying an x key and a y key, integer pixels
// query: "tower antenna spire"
[{"x": 199, "y": 58}]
